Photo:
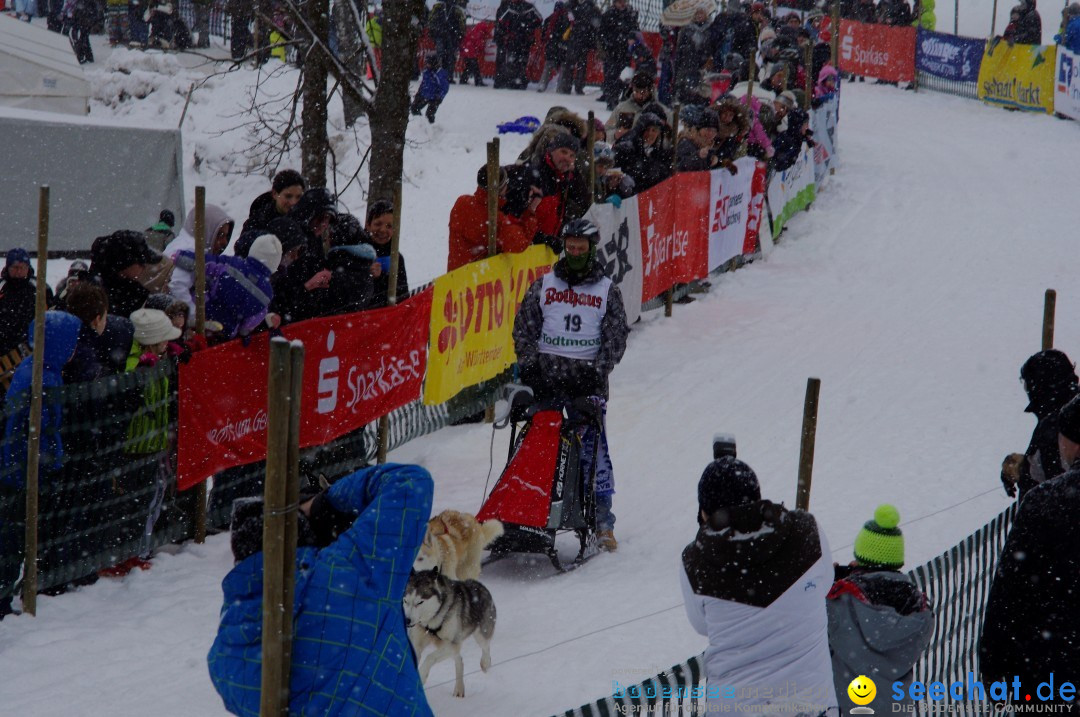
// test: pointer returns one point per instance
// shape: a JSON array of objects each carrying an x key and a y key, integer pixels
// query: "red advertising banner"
[
  {"x": 756, "y": 208},
  {"x": 691, "y": 255},
  {"x": 673, "y": 217},
  {"x": 881, "y": 51},
  {"x": 357, "y": 367}
]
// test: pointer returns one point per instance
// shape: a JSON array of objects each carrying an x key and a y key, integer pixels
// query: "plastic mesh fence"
[{"x": 951, "y": 87}]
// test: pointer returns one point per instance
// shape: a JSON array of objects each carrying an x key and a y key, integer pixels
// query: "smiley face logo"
[{"x": 862, "y": 690}]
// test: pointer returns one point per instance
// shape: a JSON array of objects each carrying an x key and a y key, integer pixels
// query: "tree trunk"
[
  {"x": 390, "y": 112},
  {"x": 315, "y": 143}
]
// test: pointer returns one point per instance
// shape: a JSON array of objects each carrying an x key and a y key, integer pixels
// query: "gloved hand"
[
  {"x": 530, "y": 375},
  {"x": 1011, "y": 468},
  {"x": 614, "y": 200}
]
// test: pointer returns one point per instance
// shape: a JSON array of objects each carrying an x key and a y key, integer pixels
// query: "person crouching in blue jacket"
[
  {"x": 434, "y": 84},
  {"x": 356, "y": 544}
]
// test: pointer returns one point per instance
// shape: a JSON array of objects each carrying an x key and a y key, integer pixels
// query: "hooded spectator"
[
  {"x": 18, "y": 297},
  {"x": 299, "y": 287},
  {"x": 826, "y": 87},
  {"x": 217, "y": 230},
  {"x": 1030, "y": 630},
  {"x": 469, "y": 222},
  {"x": 612, "y": 184},
  {"x": 357, "y": 542},
  {"x": 1028, "y": 30},
  {"x": 879, "y": 622},
  {"x": 1050, "y": 382},
  {"x": 642, "y": 153},
  {"x": 380, "y": 226},
  {"x": 558, "y": 120},
  {"x": 238, "y": 289},
  {"x": 285, "y": 191},
  {"x": 754, "y": 582},
  {"x": 118, "y": 261},
  {"x": 733, "y": 125},
  {"x": 788, "y": 143}
]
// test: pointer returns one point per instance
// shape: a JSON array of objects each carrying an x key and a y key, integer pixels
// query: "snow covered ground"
[{"x": 913, "y": 289}]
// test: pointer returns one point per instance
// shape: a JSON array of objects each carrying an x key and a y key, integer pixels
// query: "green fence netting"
[
  {"x": 957, "y": 581},
  {"x": 119, "y": 468}
]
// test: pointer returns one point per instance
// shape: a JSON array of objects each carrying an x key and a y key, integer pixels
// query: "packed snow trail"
[{"x": 913, "y": 289}]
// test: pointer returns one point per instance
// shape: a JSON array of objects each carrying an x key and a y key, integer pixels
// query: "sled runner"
[{"x": 548, "y": 484}]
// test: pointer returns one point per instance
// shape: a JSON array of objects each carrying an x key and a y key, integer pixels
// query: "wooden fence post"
[
  {"x": 33, "y": 439},
  {"x": 200, "y": 329},
  {"x": 1049, "y": 309},
  {"x": 590, "y": 148},
  {"x": 391, "y": 300},
  {"x": 669, "y": 297},
  {"x": 492, "y": 196},
  {"x": 806, "y": 446}
]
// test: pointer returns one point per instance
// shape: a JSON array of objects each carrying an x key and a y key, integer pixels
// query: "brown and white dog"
[{"x": 453, "y": 544}]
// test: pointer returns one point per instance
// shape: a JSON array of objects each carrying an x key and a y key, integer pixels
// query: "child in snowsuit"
[{"x": 434, "y": 84}]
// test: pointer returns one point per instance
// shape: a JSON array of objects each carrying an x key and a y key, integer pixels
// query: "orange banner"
[{"x": 881, "y": 51}]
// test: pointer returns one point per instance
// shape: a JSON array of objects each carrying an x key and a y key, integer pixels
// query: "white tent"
[{"x": 38, "y": 70}]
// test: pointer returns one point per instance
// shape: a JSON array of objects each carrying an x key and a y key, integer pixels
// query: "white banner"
[
  {"x": 1067, "y": 84},
  {"x": 478, "y": 10},
  {"x": 620, "y": 250},
  {"x": 792, "y": 190},
  {"x": 729, "y": 199},
  {"x": 824, "y": 126}
]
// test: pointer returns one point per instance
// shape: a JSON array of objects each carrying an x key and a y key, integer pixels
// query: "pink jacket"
[{"x": 757, "y": 132}]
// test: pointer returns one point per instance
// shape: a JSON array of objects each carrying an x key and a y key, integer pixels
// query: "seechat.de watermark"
[{"x": 1047, "y": 697}]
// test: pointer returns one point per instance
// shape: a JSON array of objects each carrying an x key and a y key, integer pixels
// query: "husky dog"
[
  {"x": 446, "y": 612},
  {"x": 453, "y": 544}
]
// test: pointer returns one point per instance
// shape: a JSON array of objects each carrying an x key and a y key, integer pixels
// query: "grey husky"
[{"x": 445, "y": 613}]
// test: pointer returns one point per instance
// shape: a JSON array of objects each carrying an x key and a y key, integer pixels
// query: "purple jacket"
[{"x": 237, "y": 290}]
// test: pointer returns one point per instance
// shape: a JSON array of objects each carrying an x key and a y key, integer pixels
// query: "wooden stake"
[
  {"x": 492, "y": 196},
  {"x": 275, "y": 508},
  {"x": 200, "y": 329},
  {"x": 292, "y": 498},
  {"x": 33, "y": 442},
  {"x": 1049, "y": 309},
  {"x": 590, "y": 145},
  {"x": 809, "y": 60},
  {"x": 669, "y": 295},
  {"x": 834, "y": 39},
  {"x": 391, "y": 300},
  {"x": 806, "y": 447},
  {"x": 956, "y": 18},
  {"x": 993, "y": 21}
]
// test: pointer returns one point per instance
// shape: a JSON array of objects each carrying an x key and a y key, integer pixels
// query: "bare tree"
[{"x": 314, "y": 143}]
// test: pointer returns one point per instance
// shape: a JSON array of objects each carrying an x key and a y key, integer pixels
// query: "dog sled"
[{"x": 548, "y": 485}]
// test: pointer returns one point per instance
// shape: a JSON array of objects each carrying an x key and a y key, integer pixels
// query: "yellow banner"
[
  {"x": 1018, "y": 76},
  {"x": 472, "y": 320}
]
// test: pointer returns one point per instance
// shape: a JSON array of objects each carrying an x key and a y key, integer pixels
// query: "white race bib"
[{"x": 572, "y": 317}]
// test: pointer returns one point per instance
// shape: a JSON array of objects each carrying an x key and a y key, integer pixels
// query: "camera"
[{"x": 723, "y": 444}]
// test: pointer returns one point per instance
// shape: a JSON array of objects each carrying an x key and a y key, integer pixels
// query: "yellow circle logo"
[{"x": 862, "y": 690}]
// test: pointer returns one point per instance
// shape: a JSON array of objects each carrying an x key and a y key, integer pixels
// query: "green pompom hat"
[{"x": 880, "y": 544}]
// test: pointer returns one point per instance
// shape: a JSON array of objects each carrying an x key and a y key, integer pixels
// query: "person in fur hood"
[
  {"x": 754, "y": 582},
  {"x": 559, "y": 120},
  {"x": 733, "y": 128}
]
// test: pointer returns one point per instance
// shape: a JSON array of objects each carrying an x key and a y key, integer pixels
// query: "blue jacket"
[
  {"x": 1071, "y": 41},
  {"x": 434, "y": 84},
  {"x": 238, "y": 290},
  {"x": 61, "y": 335},
  {"x": 351, "y": 653}
]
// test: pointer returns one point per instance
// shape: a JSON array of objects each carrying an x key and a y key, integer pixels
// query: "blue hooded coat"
[
  {"x": 61, "y": 335},
  {"x": 351, "y": 653},
  {"x": 238, "y": 290}
]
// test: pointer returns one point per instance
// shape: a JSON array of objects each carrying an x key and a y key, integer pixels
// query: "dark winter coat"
[
  {"x": 788, "y": 144},
  {"x": 516, "y": 25},
  {"x": 352, "y": 288},
  {"x": 896, "y": 13},
  {"x": 879, "y": 625},
  {"x": 350, "y": 646},
  {"x": 647, "y": 166},
  {"x": 1030, "y": 628},
  {"x": 1029, "y": 26},
  {"x": 617, "y": 27},
  {"x": 61, "y": 337},
  {"x": 553, "y": 376},
  {"x": 263, "y": 211},
  {"x": 865, "y": 11},
  {"x": 565, "y": 196},
  {"x": 586, "y": 31},
  {"x": 555, "y": 27},
  {"x": 114, "y": 344},
  {"x": 446, "y": 22},
  {"x": 1044, "y": 460},
  {"x": 85, "y": 364},
  {"x": 18, "y": 297},
  {"x": 688, "y": 159},
  {"x": 691, "y": 53},
  {"x": 381, "y": 283}
]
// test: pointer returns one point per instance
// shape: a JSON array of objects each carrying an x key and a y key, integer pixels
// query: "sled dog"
[
  {"x": 445, "y": 613},
  {"x": 453, "y": 544}
]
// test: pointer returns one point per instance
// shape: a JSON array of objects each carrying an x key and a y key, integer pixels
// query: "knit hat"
[
  {"x": 1069, "y": 420},
  {"x": 167, "y": 217},
  {"x": 152, "y": 326},
  {"x": 727, "y": 482},
  {"x": 642, "y": 81},
  {"x": 880, "y": 544},
  {"x": 17, "y": 256},
  {"x": 267, "y": 250},
  {"x": 564, "y": 140},
  {"x": 787, "y": 98}
]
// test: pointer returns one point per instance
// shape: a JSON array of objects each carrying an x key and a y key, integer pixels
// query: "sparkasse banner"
[{"x": 880, "y": 51}]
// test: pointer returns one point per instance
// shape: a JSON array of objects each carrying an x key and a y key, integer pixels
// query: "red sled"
[{"x": 544, "y": 490}]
